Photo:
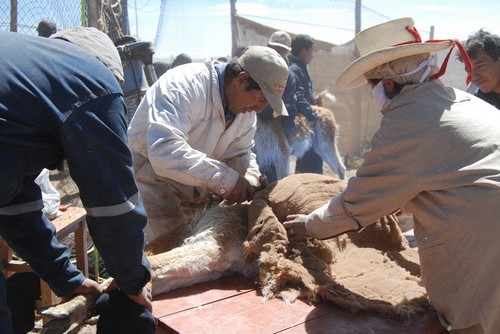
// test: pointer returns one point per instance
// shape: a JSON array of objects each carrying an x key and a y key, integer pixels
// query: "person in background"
[
  {"x": 301, "y": 56},
  {"x": 483, "y": 49},
  {"x": 181, "y": 59},
  {"x": 46, "y": 27},
  {"x": 138, "y": 70},
  {"x": 281, "y": 42},
  {"x": 193, "y": 132},
  {"x": 161, "y": 67},
  {"x": 59, "y": 102},
  {"x": 435, "y": 156}
]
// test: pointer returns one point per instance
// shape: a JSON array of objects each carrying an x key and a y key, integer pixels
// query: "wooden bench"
[
  {"x": 73, "y": 220},
  {"x": 232, "y": 305}
]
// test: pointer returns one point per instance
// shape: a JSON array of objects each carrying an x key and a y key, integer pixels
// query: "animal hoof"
[{"x": 54, "y": 312}]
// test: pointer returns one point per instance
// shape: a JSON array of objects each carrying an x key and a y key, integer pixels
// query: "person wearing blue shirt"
[
  {"x": 281, "y": 42},
  {"x": 302, "y": 54},
  {"x": 58, "y": 102}
]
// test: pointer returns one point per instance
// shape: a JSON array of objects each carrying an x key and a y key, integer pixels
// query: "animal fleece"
[{"x": 372, "y": 270}]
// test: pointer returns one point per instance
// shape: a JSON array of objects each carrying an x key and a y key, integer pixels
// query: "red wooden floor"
[{"x": 232, "y": 305}]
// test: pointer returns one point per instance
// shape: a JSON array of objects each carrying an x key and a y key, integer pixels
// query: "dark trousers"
[
  {"x": 5, "y": 320},
  {"x": 270, "y": 173},
  {"x": 310, "y": 162}
]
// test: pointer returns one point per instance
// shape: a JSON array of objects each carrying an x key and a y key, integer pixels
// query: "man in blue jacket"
[
  {"x": 302, "y": 54},
  {"x": 59, "y": 102},
  {"x": 279, "y": 167}
]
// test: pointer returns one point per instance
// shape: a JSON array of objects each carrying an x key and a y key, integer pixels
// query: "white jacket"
[{"x": 179, "y": 129}]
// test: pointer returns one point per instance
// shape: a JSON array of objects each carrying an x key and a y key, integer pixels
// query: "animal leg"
[
  {"x": 73, "y": 312},
  {"x": 325, "y": 144},
  {"x": 189, "y": 264}
]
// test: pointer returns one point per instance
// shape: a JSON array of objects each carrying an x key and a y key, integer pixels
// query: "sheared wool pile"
[{"x": 372, "y": 270}]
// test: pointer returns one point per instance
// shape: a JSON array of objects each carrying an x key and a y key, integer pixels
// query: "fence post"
[
  {"x": 93, "y": 12},
  {"x": 13, "y": 15}
]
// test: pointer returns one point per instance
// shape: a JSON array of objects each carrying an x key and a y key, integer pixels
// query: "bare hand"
[
  {"x": 242, "y": 191},
  {"x": 296, "y": 227},
  {"x": 87, "y": 287},
  {"x": 144, "y": 298}
]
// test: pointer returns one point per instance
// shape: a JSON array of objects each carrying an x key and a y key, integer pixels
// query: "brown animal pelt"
[
  {"x": 326, "y": 120},
  {"x": 368, "y": 270}
]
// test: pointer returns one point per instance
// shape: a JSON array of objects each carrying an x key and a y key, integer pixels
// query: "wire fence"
[
  {"x": 202, "y": 28},
  {"x": 65, "y": 13},
  {"x": 199, "y": 28}
]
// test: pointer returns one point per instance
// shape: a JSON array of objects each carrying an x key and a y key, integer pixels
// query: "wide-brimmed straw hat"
[
  {"x": 383, "y": 43},
  {"x": 281, "y": 39}
]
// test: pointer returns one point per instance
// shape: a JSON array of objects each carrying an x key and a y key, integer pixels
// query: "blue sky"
[{"x": 333, "y": 22}]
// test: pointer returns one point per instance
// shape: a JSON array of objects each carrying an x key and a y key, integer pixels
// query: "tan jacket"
[{"x": 437, "y": 155}]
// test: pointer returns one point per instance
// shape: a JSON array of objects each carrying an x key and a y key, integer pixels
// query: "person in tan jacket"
[{"x": 436, "y": 155}]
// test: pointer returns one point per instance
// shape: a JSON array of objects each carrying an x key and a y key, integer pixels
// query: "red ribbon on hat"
[
  {"x": 464, "y": 55},
  {"x": 414, "y": 32},
  {"x": 279, "y": 88}
]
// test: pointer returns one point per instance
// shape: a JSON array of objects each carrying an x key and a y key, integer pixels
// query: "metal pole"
[
  {"x": 357, "y": 122},
  {"x": 83, "y": 14},
  {"x": 93, "y": 8},
  {"x": 234, "y": 29},
  {"x": 357, "y": 14},
  {"x": 136, "y": 20},
  {"x": 13, "y": 15}
]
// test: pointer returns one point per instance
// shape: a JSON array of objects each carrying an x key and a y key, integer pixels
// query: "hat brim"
[
  {"x": 280, "y": 45},
  {"x": 353, "y": 75},
  {"x": 275, "y": 101}
]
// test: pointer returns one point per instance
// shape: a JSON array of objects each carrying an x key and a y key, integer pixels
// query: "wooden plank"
[
  {"x": 198, "y": 295},
  {"x": 241, "y": 313},
  {"x": 232, "y": 305},
  {"x": 69, "y": 221}
]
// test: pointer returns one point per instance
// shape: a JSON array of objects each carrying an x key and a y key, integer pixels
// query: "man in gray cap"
[
  {"x": 193, "y": 132},
  {"x": 46, "y": 27},
  {"x": 58, "y": 102}
]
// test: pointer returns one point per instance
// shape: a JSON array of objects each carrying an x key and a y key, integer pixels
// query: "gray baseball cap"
[{"x": 270, "y": 71}]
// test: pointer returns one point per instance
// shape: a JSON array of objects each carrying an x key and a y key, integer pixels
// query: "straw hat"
[
  {"x": 281, "y": 39},
  {"x": 383, "y": 43}
]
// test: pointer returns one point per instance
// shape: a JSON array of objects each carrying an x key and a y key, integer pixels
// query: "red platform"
[{"x": 232, "y": 305}]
